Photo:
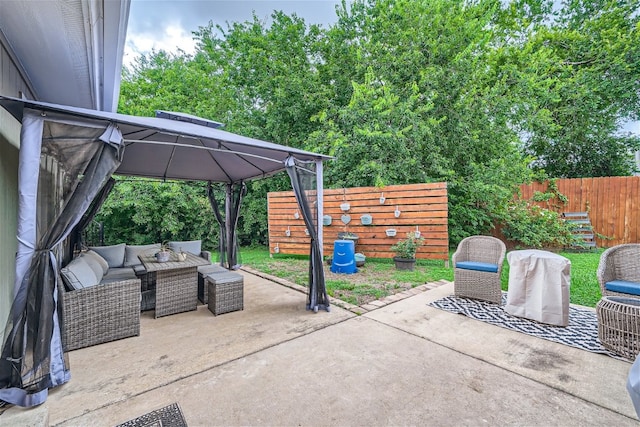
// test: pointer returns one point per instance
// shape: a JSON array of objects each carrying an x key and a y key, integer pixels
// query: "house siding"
[{"x": 11, "y": 84}]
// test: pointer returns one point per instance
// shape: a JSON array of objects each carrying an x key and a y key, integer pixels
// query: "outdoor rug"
[
  {"x": 581, "y": 333},
  {"x": 169, "y": 416}
]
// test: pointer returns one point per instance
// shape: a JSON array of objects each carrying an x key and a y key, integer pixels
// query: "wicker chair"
[
  {"x": 482, "y": 258},
  {"x": 620, "y": 263},
  {"x": 99, "y": 314}
]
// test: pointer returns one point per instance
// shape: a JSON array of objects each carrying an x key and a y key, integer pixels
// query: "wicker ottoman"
[
  {"x": 204, "y": 271},
  {"x": 619, "y": 325},
  {"x": 226, "y": 292}
]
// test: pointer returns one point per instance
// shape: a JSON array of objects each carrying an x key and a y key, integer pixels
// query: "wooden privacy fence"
[
  {"x": 422, "y": 207},
  {"x": 612, "y": 204}
]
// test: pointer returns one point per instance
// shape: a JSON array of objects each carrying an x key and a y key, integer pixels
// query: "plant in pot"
[
  {"x": 347, "y": 235},
  {"x": 405, "y": 250},
  {"x": 164, "y": 253}
]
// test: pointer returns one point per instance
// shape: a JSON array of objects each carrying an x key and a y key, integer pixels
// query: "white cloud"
[
  {"x": 171, "y": 39},
  {"x": 167, "y": 25}
]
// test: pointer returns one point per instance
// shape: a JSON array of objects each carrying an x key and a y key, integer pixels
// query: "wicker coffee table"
[
  {"x": 619, "y": 325},
  {"x": 176, "y": 283}
]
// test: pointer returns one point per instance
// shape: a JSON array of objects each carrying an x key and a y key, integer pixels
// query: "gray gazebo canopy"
[
  {"x": 68, "y": 154},
  {"x": 174, "y": 149}
]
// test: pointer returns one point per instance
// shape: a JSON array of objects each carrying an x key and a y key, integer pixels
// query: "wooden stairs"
[{"x": 582, "y": 229}]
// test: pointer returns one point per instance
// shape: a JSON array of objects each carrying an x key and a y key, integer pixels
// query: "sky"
[{"x": 167, "y": 24}]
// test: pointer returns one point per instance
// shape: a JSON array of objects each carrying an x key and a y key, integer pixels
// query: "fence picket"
[{"x": 612, "y": 204}]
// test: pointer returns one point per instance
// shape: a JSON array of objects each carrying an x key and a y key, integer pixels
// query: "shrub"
[
  {"x": 529, "y": 225},
  {"x": 407, "y": 248}
]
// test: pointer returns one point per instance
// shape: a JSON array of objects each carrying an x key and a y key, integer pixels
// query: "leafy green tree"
[
  {"x": 483, "y": 94},
  {"x": 426, "y": 108},
  {"x": 574, "y": 74},
  {"x": 272, "y": 72},
  {"x": 142, "y": 212},
  {"x": 376, "y": 138}
]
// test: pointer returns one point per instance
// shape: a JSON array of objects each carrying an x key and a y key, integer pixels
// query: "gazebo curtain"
[
  {"x": 303, "y": 181},
  {"x": 66, "y": 157},
  {"x": 228, "y": 245},
  {"x": 222, "y": 240},
  {"x": 76, "y": 157},
  {"x": 76, "y": 240}
]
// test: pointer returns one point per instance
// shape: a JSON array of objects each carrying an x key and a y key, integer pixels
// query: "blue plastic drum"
[{"x": 344, "y": 257}]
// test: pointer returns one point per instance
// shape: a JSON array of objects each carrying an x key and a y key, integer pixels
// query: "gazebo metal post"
[
  {"x": 320, "y": 204},
  {"x": 228, "y": 226}
]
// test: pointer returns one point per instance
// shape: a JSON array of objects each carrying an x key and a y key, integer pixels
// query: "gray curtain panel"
[
  {"x": 74, "y": 158},
  {"x": 235, "y": 194},
  {"x": 304, "y": 187},
  {"x": 228, "y": 247},
  {"x": 75, "y": 243},
  {"x": 222, "y": 240}
]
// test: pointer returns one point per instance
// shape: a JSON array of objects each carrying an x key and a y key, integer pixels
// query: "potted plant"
[
  {"x": 164, "y": 253},
  {"x": 347, "y": 235},
  {"x": 405, "y": 250}
]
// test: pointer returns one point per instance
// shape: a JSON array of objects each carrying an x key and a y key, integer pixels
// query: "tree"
[
  {"x": 483, "y": 94},
  {"x": 272, "y": 72},
  {"x": 575, "y": 72},
  {"x": 141, "y": 211},
  {"x": 377, "y": 138},
  {"x": 424, "y": 107}
]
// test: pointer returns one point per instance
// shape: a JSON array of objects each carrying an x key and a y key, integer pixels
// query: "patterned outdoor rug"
[
  {"x": 581, "y": 333},
  {"x": 169, "y": 416}
]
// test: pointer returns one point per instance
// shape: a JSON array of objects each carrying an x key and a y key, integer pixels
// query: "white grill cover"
[{"x": 539, "y": 286}]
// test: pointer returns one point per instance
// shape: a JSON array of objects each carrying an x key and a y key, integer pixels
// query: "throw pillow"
[
  {"x": 94, "y": 265},
  {"x": 78, "y": 274},
  {"x": 114, "y": 255},
  {"x": 131, "y": 253},
  {"x": 104, "y": 265}
]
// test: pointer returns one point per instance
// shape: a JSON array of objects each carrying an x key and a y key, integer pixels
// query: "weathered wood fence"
[
  {"x": 612, "y": 204},
  {"x": 422, "y": 207}
]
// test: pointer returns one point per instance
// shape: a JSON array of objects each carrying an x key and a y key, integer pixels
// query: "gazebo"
[{"x": 67, "y": 158}]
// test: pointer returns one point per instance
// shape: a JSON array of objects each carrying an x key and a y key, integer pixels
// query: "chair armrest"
[
  {"x": 455, "y": 258},
  {"x": 206, "y": 255},
  {"x": 606, "y": 268}
]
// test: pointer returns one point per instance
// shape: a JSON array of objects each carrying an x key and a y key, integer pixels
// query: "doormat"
[
  {"x": 169, "y": 416},
  {"x": 581, "y": 333}
]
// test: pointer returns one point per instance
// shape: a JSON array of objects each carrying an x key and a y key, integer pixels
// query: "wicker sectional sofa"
[
  {"x": 100, "y": 300},
  {"x": 102, "y": 292}
]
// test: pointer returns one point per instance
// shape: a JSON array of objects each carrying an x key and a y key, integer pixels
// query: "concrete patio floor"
[{"x": 274, "y": 363}]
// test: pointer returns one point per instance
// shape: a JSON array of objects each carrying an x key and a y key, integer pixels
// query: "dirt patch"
[{"x": 372, "y": 281}]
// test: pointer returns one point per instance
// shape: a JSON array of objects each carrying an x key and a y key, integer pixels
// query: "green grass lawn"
[{"x": 379, "y": 277}]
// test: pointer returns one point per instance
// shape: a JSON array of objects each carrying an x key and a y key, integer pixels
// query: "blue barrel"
[{"x": 344, "y": 257}]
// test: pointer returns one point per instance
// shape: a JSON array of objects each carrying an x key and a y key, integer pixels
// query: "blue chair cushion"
[
  {"x": 623, "y": 286},
  {"x": 477, "y": 266}
]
